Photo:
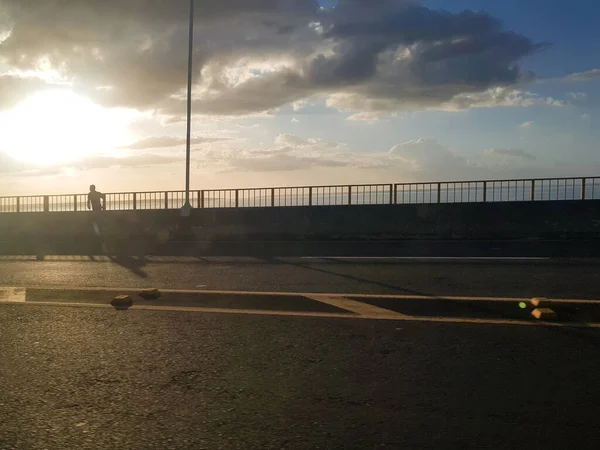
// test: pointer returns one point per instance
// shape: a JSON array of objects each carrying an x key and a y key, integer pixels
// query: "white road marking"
[
  {"x": 307, "y": 294},
  {"x": 17, "y": 258},
  {"x": 257, "y": 312},
  {"x": 240, "y": 259},
  {"x": 355, "y": 308},
  {"x": 362, "y": 309},
  {"x": 431, "y": 258},
  {"x": 13, "y": 294}
]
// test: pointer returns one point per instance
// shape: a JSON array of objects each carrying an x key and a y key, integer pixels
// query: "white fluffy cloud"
[
  {"x": 9, "y": 165},
  {"x": 509, "y": 154},
  {"x": 588, "y": 75},
  {"x": 526, "y": 125},
  {"x": 170, "y": 141},
  {"x": 295, "y": 160},
  {"x": 426, "y": 155}
]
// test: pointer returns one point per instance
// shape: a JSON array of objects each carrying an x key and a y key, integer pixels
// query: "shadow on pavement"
[
  {"x": 321, "y": 261},
  {"x": 132, "y": 264},
  {"x": 392, "y": 287}
]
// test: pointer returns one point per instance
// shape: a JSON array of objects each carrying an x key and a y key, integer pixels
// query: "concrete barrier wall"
[{"x": 83, "y": 231}]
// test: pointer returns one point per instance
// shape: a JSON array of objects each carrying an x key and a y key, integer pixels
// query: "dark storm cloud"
[
  {"x": 416, "y": 53},
  {"x": 369, "y": 55}
]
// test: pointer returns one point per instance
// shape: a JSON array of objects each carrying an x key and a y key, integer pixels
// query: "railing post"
[
  {"x": 134, "y": 201},
  {"x": 46, "y": 203},
  {"x": 201, "y": 199},
  {"x": 439, "y": 192},
  {"x": 75, "y": 202},
  {"x": 272, "y": 197},
  {"x": 310, "y": 196},
  {"x": 532, "y": 190},
  {"x": 391, "y": 194},
  {"x": 349, "y": 195},
  {"x": 166, "y": 200},
  {"x": 18, "y": 204},
  {"x": 237, "y": 198},
  {"x": 395, "y": 194},
  {"x": 583, "y": 189},
  {"x": 485, "y": 191}
]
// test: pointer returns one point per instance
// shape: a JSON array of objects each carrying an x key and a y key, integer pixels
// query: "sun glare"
[{"x": 59, "y": 126}]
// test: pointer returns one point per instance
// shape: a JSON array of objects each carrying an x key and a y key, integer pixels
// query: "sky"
[{"x": 295, "y": 92}]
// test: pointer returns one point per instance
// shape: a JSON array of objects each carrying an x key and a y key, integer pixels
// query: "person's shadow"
[{"x": 133, "y": 264}]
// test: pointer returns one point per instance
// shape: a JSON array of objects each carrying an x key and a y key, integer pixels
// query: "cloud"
[
  {"x": 313, "y": 161},
  {"x": 492, "y": 98},
  {"x": 14, "y": 87},
  {"x": 103, "y": 162},
  {"x": 138, "y": 48},
  {"x": 578, "y": 96},
  {"x": 515, "y": 153},
  {"x": 288, "y": 152},
  {"x": 253, "y": 56},
  {"x": 295, "y": 142},
  {"x": 291, "y": 141},
  {"x": 9, "y": 165},
  {"x": 424, "y": 159},
  {"x": 169, "y": 141},
  {"x": 282, "y": 163},
  {"x": 426, "y": 155},
  {"x": 588, "y": 75},
  {"x": 526, "y": 125},
  {"x": 430, "y": 160},
  {"x": 299, "y": 105},
  {"x": 500, "y": 97},
  {"x": 369, "y": 116}
]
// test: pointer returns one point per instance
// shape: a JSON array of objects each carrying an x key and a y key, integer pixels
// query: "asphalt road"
[
  {"x": 92, "y": 377},
  {"x": 490, "y": 278},
  {"x": 97, "y": 378}
]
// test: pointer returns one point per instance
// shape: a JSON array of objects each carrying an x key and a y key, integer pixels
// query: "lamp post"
[{"x": 187, "y": 207}]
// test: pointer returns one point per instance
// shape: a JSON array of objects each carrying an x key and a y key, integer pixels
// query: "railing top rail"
[
  {"x": 501, "y": 180},
  {"x": 419, "y": 183},
  {"x": 398, "y": 184}
]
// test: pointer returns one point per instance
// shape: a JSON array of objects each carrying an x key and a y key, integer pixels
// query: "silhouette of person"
[{"x": 96, "y": 200}]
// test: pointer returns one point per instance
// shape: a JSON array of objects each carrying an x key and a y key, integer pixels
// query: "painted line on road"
[
  {"x": 362, "y": 309},
  {"x": 306, "y": 294},
  {"x": 235, "y": 259},
  {"x": 401, "y": 318},
  {"x": 432, "y": 258},
  {"x": 13, "y": 294},
  {"x": 358, "y": 310}
]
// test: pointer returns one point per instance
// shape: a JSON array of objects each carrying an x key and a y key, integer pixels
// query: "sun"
[{"x": 53, "y": 127}]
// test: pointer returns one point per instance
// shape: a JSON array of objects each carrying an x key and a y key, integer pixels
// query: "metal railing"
[{"x": 540, "y": 189}]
